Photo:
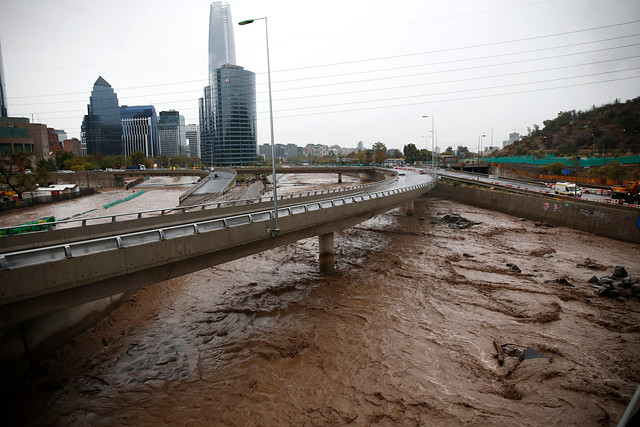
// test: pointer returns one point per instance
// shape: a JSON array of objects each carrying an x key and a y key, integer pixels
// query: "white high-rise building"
[{"x": 193, "y": 140}]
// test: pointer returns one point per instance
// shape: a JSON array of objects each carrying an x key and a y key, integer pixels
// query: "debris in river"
[{"x": 455, "y": 221}]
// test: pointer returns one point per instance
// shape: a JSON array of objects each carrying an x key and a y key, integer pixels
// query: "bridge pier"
[
  {"x": 326, "y": 252},
  {"x": 340, "y": 178},
  {"x": 408, "y": 208}
]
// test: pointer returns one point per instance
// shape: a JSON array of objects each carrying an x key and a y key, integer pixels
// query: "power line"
[
  {"x": 390, "y": 57},
  {"x": 391, "y": 69},
  {"x": 460, "y": 99},
  {"x": 415, "y": 96},
  {"x": 437, "y": 101},
  {"x": 466, "y": 90},
  {"x": 428, "y": 52}
]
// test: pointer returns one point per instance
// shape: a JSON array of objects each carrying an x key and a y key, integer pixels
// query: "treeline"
[{"x": 609, "y": 130}]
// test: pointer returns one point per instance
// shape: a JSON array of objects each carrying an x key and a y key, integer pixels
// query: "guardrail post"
[
  {"x": 326, "y": 252},
  {"x": 340, "y": 178}
]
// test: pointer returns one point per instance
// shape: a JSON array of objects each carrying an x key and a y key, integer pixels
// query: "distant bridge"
[{"x": 116, "y": 178}]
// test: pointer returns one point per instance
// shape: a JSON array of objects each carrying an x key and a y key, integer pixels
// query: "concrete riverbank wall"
[
  {"x": 616, "y": 222},
  {"x": 23, "y": 345}
]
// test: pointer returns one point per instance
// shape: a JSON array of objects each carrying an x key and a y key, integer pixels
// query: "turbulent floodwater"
[{"x": 401, "y": 334}]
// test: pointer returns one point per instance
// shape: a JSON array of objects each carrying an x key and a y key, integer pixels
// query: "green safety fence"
[
  {"x": 569, "y": 161},
  {"x": 126, "y": 199},
  {"x": 27, "y": 227}
]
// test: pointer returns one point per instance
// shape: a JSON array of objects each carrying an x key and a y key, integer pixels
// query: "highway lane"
[
  {"x": 217, "y": 182},
  {"x": 517, "y": 184}
]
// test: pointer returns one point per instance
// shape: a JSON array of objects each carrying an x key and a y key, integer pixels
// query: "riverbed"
[{"x": 401, "y": 334}]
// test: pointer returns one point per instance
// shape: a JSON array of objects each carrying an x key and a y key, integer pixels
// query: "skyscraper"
[
  {"x": 193, "y": 140},
  {"x": 140, "y": 130},
  {"x": 171, "y": 132},
  {"x": 101, "y": 127},
  {"x": 3, "y": 90},
  {"x": 222, "y": 47},
  {"x": 228, "y": 109}
]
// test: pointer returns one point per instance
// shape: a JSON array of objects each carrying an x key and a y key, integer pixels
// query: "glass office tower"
[
  {"x": 172, "y": 134},
  {"x": 140, "y": 130},
  {"x": 222, "y": 47},
  {"x": 228, "y": 109},
  {"x": 101, "y": 127},
  {"x": 228, "y": 118}
]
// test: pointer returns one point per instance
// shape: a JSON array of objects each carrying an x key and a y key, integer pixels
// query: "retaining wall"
[
  {"x": 617, "y": 222},
  {"x": 23, "y": 346}
]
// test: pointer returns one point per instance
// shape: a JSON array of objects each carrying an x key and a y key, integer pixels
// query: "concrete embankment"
[
  {"x": 616, "y": 222},
  {"x": 25, "y": 344}
]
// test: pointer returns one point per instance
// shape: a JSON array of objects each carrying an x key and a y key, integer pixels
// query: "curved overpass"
[{"x": 50, "y": 278}]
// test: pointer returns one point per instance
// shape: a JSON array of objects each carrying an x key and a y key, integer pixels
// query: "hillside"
[{"x": 611, "y": 129}]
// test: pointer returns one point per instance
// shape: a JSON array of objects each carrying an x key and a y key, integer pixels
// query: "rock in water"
[{"x": 620, "y": 272}]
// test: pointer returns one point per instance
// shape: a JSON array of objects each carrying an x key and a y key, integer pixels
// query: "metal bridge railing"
[
  {"x": 59, "y": 252},
  {"x": 213, "y": 205}
]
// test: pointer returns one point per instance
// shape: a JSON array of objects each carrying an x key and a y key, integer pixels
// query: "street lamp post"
[
  {"x": 432, "y": 142},
  {"x": 274, "y": 231},
  {"x": 479, "y": 148}
]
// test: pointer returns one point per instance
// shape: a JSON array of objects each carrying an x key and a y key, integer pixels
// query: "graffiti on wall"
[{"x": 595, "y": 214}]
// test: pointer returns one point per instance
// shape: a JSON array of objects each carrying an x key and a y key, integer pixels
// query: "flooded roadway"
[{"x": 401, "y": 334}]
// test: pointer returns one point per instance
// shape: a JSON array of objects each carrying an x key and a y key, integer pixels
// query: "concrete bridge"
[
  {"x": 64, "y": 268},
  {"x": 116, "y": 178}
]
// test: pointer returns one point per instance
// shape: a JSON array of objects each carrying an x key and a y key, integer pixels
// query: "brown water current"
[{"x": 401, "y": 334}]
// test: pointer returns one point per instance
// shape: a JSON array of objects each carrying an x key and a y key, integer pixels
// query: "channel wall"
[{"x": 616, "y": 222}]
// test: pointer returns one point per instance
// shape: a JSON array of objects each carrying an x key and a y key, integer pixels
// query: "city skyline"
[{"x": 368, "y": 73}]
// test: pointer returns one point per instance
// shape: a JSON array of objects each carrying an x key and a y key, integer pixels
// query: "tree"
[
  {"x": 411, "y": 153},
  {"x": 61, "y": 157},
  {"x": 46, "y": 165},
  {"x": 163, "y": 160},
  {"x": 138, "y": 158},
  {"x": 394, "y": 153},
  {"x": 12, "y": 173},
  {"x": 379, "y": 152},
  {"x": 463, "y": 152},
  {"x": 448, "y": 151}
]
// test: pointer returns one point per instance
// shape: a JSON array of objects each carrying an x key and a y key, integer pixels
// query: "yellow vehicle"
[{"x": 629, "y": 192}]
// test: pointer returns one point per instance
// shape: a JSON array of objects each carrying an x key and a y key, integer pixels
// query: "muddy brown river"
[{"x": 401, "y": 334}]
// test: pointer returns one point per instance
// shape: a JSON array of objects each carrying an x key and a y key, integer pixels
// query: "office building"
[
  {"x": 228, "y": 118},
  {"x": 101, "y": 127},
  {"x": 3, "y": 90},
  {"x": 228, "y": 131},
  {"x": 140, "y": 130},
  {"x": 171, "y": 134},
  {"x": 193, "y": 140},
  {"x": 18, "y": 134},
  {"x": 72, "y": 145}
]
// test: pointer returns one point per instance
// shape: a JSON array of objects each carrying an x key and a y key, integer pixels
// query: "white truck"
[{"x": 568, "y": 189}]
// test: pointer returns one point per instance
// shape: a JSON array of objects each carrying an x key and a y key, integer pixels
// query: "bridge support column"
[
  {"x": 326, "y": 252},
  {"x": 340, "y": 178},
  {"x": 408, "y": 208}
]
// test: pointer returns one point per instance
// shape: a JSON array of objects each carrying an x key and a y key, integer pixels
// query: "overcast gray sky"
[{"x": 342, "y": 71}]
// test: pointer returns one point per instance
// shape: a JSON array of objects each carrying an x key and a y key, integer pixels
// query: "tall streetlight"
[
  {"x": 274, "y": 231},
  {"x": 479, "y": 148},
  {"x": 432, "y": 142}
]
